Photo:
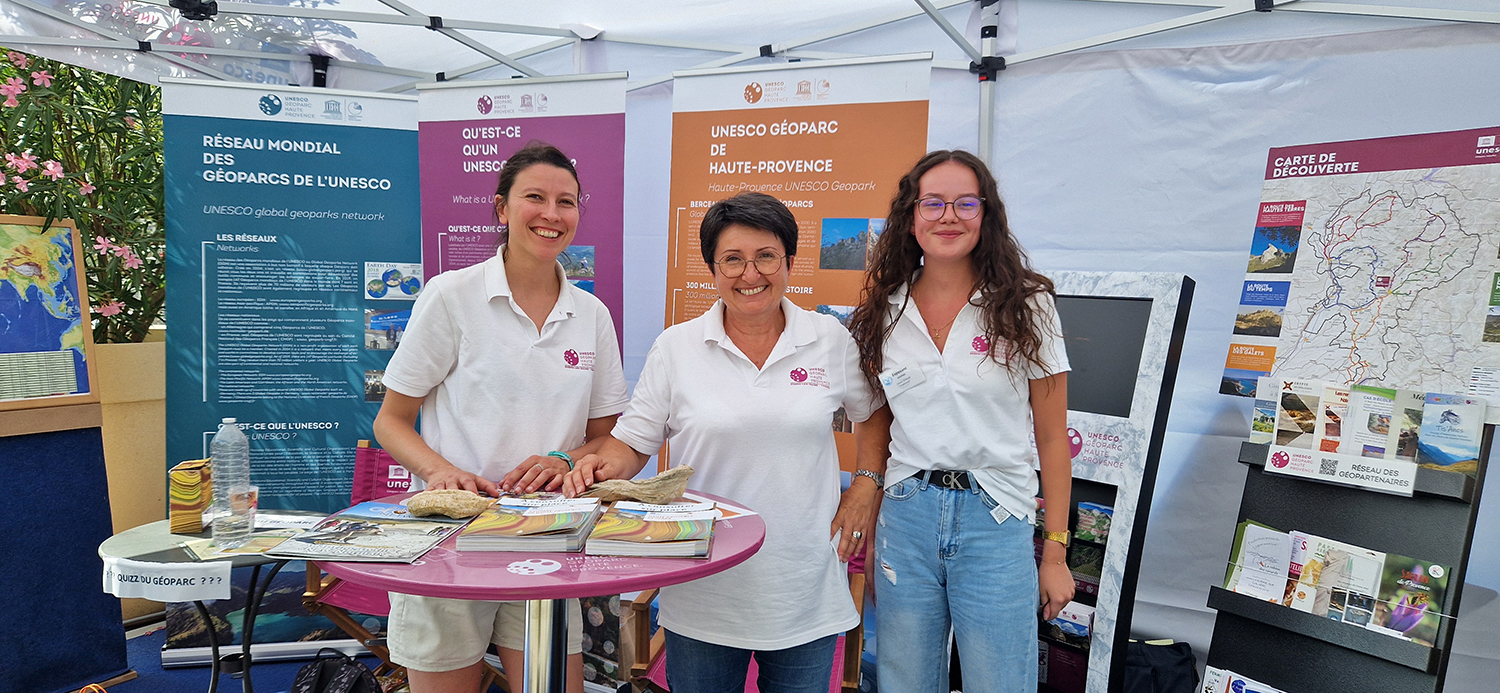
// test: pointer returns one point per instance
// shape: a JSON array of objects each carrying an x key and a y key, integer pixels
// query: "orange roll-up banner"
[{"x": 831, "y": 139}]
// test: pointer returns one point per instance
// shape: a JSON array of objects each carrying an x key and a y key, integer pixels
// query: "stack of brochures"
[
  {"x": 1390, "y": 594},
  {"x": 369, "y": 532},
  {"x": 676, "y": 530},
  {"x": 532, "y": 522},
  {"x": 1434, "y": 430}
]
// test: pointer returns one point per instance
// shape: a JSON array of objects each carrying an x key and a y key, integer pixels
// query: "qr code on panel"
[{"x": 1327, "y": 467}]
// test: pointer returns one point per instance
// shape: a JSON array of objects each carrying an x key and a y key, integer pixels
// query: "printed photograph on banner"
[
  {"x": 393, "y": 281},
  {"x": 845, "y": 243},
  {"x": 374, "y": 389},
  {"x": 1274, "y": 249},
  {"x": 383, "y": 328},
  {"x": 578, "y": 263},
  {"x": 842, "y": 313},
  {"x": 1245, "y": 365},
  {"x": 1261, "y": 306}
]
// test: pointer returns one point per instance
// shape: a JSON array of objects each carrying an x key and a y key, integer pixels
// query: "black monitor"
[{"x": 1104, "y": 336}]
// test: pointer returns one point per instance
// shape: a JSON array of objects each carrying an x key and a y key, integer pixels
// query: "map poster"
[
  {"x": 467, "y": 131},
  {"x": 830, "y": 139},
  {"x": 46, "y": 340},
  {"x": 293, "y": 254},
  {"x": 1375, "y": 262}
]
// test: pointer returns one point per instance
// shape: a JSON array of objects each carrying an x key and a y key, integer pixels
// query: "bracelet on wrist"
[
  {"x": 562, "y": 456},
  {"x": 876, "y": 477}
]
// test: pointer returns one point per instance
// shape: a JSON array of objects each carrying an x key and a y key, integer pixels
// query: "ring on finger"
[{"x": 856, "y": 534}]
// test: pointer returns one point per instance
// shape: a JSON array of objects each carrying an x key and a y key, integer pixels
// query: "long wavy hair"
[{"x": 1005, "y": 278}]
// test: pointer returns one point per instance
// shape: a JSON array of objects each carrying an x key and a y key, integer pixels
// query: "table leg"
[
  {"x": 252, "y": 610},
  {"x": 213, "y": 646},
  {"x": 546, "y": 649}
]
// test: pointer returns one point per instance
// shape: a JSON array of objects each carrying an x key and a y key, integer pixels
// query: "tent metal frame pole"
[
  {"x": 790, "y": 48},
  {"x": 948, "y": 28},
  {"x": 126, "y": 42},
  {"x": 482, "y": 65},
  {"x": 1465, "y": 16}
]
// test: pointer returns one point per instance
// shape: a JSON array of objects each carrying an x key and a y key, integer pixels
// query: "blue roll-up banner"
[{"x": 293, "y": 259}]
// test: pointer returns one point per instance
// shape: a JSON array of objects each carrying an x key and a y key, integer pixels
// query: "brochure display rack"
[{"x": 1287, "y": 648}]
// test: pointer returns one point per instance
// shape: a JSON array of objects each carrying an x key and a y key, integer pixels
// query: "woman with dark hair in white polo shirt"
[
  {"x": 491, "y": 362},
  {"x": 746, "y": 394},
  {"x": 963, "y": 338}
]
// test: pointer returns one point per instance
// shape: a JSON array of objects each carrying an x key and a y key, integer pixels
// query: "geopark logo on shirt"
[
  {"x": 810, "y": 376},
  {"x": 980, "y": 345},
  {"x": 578, "y": 360}
]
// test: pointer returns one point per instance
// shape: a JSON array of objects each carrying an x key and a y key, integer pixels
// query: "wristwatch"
[{"x": 1059, "y": 537}]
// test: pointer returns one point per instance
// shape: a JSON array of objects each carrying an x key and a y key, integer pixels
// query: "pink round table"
[{"x": 543, "y": 579}]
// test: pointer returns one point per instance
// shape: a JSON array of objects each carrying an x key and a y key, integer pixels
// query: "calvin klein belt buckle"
[{"x": 952, "y": 480}]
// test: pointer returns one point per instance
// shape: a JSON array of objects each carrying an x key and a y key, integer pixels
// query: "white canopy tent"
[{"x": 1127, "y": 136}]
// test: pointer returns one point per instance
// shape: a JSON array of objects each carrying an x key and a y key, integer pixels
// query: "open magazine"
[{"x": 370, "y": 532}]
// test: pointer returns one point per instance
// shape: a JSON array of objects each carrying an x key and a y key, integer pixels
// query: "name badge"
[{"x": 900, "y": 379}]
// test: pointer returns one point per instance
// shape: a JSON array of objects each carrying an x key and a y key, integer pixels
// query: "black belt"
[{"x": 948, "y": 478}]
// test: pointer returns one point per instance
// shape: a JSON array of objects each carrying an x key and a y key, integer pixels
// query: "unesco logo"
[
  {"x": 1280, "y": 460},
  {"x": 571, "y": 357},
  {"x": 484, "y": 105},
  {"x": 1075, "y": 442},
  {"x": 799, "y": 375},
  {"x": 753, "y": 92},
  {"x": 270, "y": 104}
]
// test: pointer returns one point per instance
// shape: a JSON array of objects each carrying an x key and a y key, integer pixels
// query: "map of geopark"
[
  {"x": 1376, "y": 261},
  {"x": 1393, "y": 279}
]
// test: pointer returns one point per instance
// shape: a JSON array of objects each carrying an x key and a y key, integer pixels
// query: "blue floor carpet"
[{"x": 144, "y": 654}]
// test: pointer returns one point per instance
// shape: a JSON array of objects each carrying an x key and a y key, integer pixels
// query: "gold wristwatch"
[{"x": 1059, "y": 537}]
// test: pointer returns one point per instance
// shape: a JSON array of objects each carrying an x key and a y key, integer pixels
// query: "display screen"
[{"x": 1104, "y": 337}]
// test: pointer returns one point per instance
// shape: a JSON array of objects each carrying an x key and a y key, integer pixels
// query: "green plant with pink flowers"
[{"x": 87, "y": 146}]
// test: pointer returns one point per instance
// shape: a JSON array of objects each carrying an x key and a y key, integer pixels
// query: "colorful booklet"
[
  {"x": 1217, "y": 680},
  {"x": 1370, "y": 432},
  {"x": 1259, "y": 562},
  {"x": 1297, "y": 403},
  {"x": 369, "y": 532},
  {"x": 1451, "y": 426},
  {"x": 534, "y": 522},
  {"x": 1335, "y": 407},
  {"x": 636, "y": 529},
  {"x": 1411, "y": 597},
  {"x": 1263, "y": 415}
]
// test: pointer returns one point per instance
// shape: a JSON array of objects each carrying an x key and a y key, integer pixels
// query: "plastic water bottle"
[{"x": 233, "y": 511}]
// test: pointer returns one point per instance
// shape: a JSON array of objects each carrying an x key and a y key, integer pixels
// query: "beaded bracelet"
[{"x": 562, "y": 456}]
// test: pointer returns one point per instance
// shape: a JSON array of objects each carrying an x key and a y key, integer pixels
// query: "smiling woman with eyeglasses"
[
  {"x": 962, "y": 337},
  {"x": 746, "y": 394}
]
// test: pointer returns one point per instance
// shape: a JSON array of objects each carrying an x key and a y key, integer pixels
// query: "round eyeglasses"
[
  {"x": 966, "y": 207},
  {"x": 733, "y": 265}
]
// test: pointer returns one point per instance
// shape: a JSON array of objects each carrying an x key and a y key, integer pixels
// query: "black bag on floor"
[
  {"x": 1160, "y": 668},
  {"x": 339, "y": 673}
]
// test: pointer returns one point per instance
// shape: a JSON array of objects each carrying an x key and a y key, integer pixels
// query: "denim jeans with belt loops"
[{"x": 941, "y": 560}]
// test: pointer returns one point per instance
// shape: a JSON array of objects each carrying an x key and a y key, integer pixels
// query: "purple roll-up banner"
[{"x": 465, "y": 133}]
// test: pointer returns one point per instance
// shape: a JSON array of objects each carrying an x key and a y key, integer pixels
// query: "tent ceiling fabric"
[{"x": 392, "y": 45}]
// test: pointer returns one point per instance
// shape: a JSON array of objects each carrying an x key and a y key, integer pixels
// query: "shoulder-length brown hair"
[{"x": 1005, "y": 278}]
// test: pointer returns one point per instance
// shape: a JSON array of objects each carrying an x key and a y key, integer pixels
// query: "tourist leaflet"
[
  {"x": 369, "y": 532},
  {"x": 1217, "y": 680},
  {"x": 1451, "y": 427},
  {"x": 532, "y": 522},
  {"x": 1390, "y": 594}
]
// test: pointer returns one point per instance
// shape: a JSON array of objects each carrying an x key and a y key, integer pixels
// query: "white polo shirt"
[
  {"x": 762, "y": 437},
  {"x": 495, "y": 389},
  {"x": 963, "y": 411}
]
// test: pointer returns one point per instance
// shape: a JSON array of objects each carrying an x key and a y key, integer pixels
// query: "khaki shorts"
[{"x": 435, "y": 634}]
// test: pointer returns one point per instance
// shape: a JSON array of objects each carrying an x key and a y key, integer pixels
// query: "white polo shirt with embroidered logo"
[
  {"x": 496, "y": 389},
  {"x": 762, "y": 437},
  {"x": 963, "y": 411}
]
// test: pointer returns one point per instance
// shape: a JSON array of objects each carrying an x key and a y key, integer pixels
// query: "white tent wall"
[{"x": 1146, "y": 154}]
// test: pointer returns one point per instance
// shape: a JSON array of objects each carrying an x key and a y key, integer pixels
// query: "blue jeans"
[
  {"x": 942, "y": 560},
  {"x": 694, "y": 666}
]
